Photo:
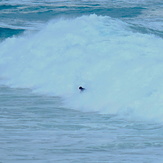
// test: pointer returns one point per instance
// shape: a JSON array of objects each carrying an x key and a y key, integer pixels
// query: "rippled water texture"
[{"x": 38, "y": 129}]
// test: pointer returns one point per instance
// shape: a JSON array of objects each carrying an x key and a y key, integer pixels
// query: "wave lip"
[
  {"x": 121, "y": 70},
  {"x": 8, "y": 32}
]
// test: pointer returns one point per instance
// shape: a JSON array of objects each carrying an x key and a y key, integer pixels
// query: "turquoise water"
[{"x": 49, "y": 49}]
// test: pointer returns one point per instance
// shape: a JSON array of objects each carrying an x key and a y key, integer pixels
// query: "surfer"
[{"x": 81, "y": 89}]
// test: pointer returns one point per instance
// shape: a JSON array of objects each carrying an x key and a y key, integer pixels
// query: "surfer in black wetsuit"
[{"x": 81, "y": 89}]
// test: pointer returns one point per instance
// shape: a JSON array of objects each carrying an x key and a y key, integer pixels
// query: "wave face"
[
  {"x": 121, "y": 70},
  {"x": 8, "y": 32}
]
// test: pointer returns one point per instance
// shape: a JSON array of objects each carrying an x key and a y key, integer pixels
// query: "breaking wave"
[{"x": 121, "y": 70}]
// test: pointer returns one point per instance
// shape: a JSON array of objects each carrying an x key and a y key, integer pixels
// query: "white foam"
[{"x": 122, "y": 71}]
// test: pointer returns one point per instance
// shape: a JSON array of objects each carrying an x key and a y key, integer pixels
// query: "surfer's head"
[{"x": 81, "y": 88}]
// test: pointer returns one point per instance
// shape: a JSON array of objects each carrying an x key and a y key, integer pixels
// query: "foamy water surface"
[{"x": 112, "y": 49}]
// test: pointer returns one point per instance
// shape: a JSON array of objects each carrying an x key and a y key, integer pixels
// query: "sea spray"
[{"x": 121, "y": 70}]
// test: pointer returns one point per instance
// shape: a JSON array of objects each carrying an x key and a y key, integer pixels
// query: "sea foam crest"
[{"x": 122, "y": 71}]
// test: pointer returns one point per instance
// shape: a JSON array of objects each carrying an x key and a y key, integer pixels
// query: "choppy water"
[
  {"x": 38, "y": 129},
  {"x": 49, "y": 49}
]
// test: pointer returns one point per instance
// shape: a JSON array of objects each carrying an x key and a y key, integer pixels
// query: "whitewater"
[{"x": 112, "y": 49}]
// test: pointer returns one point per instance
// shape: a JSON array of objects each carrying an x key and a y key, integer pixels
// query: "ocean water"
[{"x": 114, "y": 49}]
